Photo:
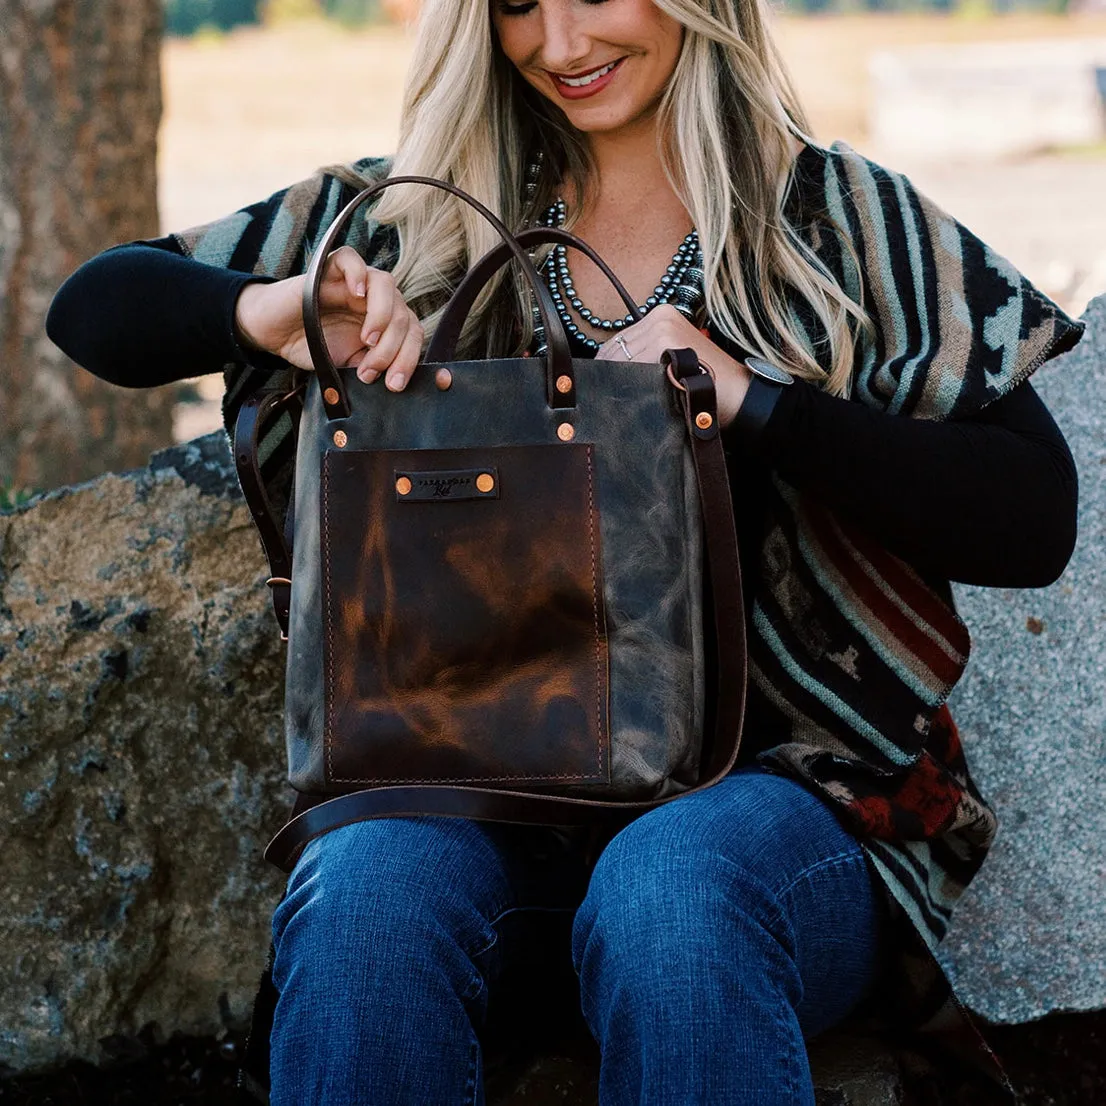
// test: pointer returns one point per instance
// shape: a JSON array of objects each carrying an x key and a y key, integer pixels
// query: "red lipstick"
[{"x": 594, "y": 85}]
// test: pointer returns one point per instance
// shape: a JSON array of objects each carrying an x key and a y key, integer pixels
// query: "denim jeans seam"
[
  {"x": 818, "y": 866},
  {"x": 472, "y": 1086},
  {"x": 536, "y": 909},
  {"x": 776, "y": 917},
  {"x": 792, "y": 1057},
  {"x": 487, "y": 946}
]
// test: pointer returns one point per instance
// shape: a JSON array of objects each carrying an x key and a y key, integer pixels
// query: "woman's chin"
[{"x": 606, "y": 119}]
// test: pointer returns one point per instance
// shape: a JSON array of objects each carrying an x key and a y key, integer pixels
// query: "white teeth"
[{"x": 579, "y": 82}]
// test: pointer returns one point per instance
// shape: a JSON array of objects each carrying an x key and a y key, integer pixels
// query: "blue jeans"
[{"x": 714, "y": 935}]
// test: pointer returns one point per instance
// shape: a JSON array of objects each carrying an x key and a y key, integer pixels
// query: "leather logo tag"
[{"x": 446, "y": 485}]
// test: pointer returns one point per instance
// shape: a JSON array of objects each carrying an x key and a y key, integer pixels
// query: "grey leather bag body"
[{"x": 494, "y": 586}]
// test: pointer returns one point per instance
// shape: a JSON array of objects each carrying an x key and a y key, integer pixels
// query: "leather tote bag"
[{"x": 492, "y": 583}]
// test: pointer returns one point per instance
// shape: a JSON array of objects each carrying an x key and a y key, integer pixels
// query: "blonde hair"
[{"x": 728, "y": 122}]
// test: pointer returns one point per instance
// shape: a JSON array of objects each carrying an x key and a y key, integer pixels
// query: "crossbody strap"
[
  {"x": 315, "y": 815},
  {"x": 257, "y": 414}
]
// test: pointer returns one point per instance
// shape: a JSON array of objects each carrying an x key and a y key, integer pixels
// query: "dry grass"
[
  {"x": 827, "y": 55},
  {"x": 252, "y": 111},
  {"x": 256, "y": 109}
]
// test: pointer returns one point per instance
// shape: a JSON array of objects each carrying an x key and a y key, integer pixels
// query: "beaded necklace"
[{"x": 681, "y": 285}]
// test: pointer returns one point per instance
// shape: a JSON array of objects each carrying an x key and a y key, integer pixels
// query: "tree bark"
[{"x": 80, "y": 102}]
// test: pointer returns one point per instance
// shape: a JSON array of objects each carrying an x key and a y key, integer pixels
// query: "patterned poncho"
[{"x": 853, "y": 649}]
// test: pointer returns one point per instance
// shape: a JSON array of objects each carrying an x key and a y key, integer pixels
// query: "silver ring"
[{"x": 622, "y": 346}]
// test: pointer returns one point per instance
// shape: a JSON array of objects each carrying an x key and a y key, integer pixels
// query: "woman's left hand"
[{"x": 665, "y": 328}]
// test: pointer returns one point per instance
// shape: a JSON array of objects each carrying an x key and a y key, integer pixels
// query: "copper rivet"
[
  {"x": 564, "y": 384},
  {"x": 485, "y": 482},
  {"x": 403, "y": 485},
  {"x": 566, "y": 432},
  {"x": 444, "y": 379},
  {"x": 340, "y": 438},
  {"x": 331, "y": 396},
  {"x": 703, "y": 421}
]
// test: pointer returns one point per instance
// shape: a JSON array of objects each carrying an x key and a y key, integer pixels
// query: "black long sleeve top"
[{"x": 989, "y": 500}]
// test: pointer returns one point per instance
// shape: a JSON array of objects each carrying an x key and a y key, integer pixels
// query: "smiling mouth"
[{"x": 585, "y": 79}]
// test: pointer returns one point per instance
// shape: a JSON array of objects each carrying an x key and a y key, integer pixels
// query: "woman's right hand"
[{"x": 366, "y": 322}]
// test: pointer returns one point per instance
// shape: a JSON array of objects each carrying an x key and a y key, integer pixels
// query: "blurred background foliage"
[{"x": 187, "y": 17}]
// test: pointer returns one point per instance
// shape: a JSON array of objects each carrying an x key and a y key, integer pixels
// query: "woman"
[{"x": 900, "y": 447}]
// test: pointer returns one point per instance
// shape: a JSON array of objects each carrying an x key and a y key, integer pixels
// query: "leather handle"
[
  {"x": 444, "y": 342},
  {"x": 697, "y": 401},
  {"x": 558, "y": 359},
  {"x": 257, "y": 409}
]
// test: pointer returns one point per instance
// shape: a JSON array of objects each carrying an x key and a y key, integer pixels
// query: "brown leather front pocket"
[{"x": 463, "y": 619}]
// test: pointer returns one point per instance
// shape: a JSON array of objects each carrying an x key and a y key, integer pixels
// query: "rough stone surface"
[
  {"x": 1030, "y": 936},
  {"x": 140, "y": 737},
  {"x": 854, "y": 1070},
  {"x": 142, "y": 759}
]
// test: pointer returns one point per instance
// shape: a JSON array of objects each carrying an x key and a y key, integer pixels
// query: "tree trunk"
[{"x": 80, "y": 102}]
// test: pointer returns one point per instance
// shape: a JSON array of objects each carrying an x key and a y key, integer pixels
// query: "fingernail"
[
  {"x": 360, "y": 290},
  {"x": 395, "y": 381},
  {"x": 367, "y": 376},
  {"x": 373, "y": 338}
]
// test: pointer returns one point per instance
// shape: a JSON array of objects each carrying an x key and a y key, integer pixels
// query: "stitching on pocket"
[
  {"x": 328, "y": 730},
  {"x": 595, "y": 601},
  {"x": 597, "y": 611}
]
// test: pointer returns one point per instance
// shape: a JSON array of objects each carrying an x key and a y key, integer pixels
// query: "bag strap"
[
  {"x": 335, "y": 399},
  {"x": 698, "y": 403},
  {"x": 256, "y": 414},
  {"x": 448, "y": 331}
]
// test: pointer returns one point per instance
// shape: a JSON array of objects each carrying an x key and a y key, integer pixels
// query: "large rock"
[
  {"x": 142, "y": 758},
  {"x": 140, "y": 733},
  {"x": 1030, "y": 936}
]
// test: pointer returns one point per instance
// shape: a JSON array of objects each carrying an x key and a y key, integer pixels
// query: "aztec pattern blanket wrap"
[{"x": 848, "y": 643}]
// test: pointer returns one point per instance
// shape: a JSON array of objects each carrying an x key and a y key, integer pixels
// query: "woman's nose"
[{"x": 564, "y": 44}]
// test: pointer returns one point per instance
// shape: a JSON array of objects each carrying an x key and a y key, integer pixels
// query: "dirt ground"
[
  {"x": 1060, "y": 1061},
  {"x": 250, "y": 112}
]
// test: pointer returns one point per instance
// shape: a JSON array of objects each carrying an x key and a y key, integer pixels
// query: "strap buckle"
[
  {"x": 703, "y": 368},
  {"x": 281, "y": 607},
  {"x": 299, "y": 384}
]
